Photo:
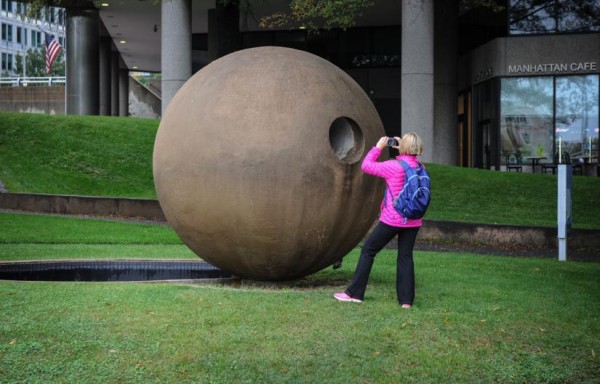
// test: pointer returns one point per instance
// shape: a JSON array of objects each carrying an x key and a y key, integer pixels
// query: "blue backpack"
[{"x": 413, "y": 200}]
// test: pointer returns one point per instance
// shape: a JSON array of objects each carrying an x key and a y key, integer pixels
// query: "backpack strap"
[
  {"x": 406, "y": 166},
  {"x": 387, "y": 189}
]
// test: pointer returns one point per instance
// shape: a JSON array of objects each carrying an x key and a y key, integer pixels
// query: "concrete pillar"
[
  {"x": 114, "y": 83},
  {"x": 82, "y": 61},
  {"x": 104, "y": 76},
  {"x": 445, "y": 135},
  {"x": 123, "y": 92},
  {"x": 224, "y": 35},
  {"x": 417, "y": 72},
  {"x": 176, "y": 47}
]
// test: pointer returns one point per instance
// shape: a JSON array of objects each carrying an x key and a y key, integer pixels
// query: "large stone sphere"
[{"x": 257, "y": 163}]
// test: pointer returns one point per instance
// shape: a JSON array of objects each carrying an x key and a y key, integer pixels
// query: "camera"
[{"x": 392, "y": 142}]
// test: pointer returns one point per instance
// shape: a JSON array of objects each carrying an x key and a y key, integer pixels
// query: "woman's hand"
[{"x": 382, "y": 143}]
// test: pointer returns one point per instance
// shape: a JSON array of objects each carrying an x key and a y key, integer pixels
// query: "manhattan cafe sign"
[
  {"x": 539, "y": 69},
  {"x": 587, "y": 66}
]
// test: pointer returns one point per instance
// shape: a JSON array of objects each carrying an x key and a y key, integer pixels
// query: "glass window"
[
  {"x": 552, "y": 16},
  {"x": 370, "y": 47},
  {"x": 531, "y": 16},
  {"x": 36, "y": 38},
  {"x": 578, "y": 16},
  {"x": 7, "y": 5},
  {"x": 577, "y": 116},
  {"x": 7, "y": 32},
  {"x": 526, "y": 109},
  {"x": 547, "y": 117},
  {"x": 7, "y": 62}
]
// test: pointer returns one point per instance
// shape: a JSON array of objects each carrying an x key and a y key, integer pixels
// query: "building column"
[
  {"x": 417, "y": 72},
  {"x": 82, "y": 61},
  {"x": 445, "y": 135},
  {"x": 114, "y": 83},
  {"x": 176, "y": 47},
  {"x": 104, "y": 76},
  {"x": 123, "y": 92}
]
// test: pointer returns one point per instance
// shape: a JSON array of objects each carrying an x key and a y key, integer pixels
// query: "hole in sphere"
[{"x": 346, "y": 140}]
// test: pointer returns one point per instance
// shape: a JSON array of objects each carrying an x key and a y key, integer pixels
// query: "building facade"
[
  {"x": 533, "y": 90},
  {"x": 21, "y": 33},
  {"x": 476, "y": 83}
]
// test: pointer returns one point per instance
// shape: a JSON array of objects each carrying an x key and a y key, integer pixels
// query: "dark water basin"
[{"x": 111, "y": 270}]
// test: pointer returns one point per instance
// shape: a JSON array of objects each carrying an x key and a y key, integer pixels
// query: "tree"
[
  {"x": 35, "y": 64},
  {"x": 315, "y": 14},
  {"x": 19, "y": 64}
]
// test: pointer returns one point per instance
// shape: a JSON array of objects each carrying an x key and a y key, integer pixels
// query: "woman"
[{"x": 390, "y": 224}]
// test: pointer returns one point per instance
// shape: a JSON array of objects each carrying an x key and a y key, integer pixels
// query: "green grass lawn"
[
  {"x": 49, "y": 229},
  {"x": 476, "y": 319},
  {"x": 81, "y": 155},
  {"x": 41, "y": 237},
  {"x": 112, "y": 156}
]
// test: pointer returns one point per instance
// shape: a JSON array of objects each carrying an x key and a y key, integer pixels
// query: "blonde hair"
[{"x": 410, "y": 144}]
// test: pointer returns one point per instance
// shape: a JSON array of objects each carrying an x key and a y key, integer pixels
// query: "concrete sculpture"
[{"x": 257, "y": 163}]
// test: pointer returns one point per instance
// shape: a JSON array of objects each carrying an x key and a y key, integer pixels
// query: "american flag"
[{"x": 52, "y": 51}]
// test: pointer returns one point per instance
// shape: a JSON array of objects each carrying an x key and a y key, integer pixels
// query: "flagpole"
[{"x": 65, "y": 54}]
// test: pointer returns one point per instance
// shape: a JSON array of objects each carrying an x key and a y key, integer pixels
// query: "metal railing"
[{"x": 35, "y": 81}]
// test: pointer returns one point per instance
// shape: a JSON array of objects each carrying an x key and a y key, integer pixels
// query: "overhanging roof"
[{"x": 138, "y": 24}]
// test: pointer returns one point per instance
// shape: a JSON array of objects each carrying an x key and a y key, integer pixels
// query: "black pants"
[{"x": 405, "y": 270}]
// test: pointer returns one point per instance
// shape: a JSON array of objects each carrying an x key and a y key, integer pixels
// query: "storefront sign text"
[
  {"x": 587, "y": 66},
  {"x": 484, "y": 74}
]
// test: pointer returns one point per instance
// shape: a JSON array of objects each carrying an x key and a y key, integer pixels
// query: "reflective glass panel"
[
  {"x": 551, "y": 16},
  {"x": 577, "y": 116},
  {"x": 578, "y": 16},
  {"x": 532, "y": 16},
  {"x": 526, "y": 117}
]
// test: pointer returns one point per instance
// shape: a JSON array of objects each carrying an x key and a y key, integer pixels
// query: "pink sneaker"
[{"x": 341, "y": 296}]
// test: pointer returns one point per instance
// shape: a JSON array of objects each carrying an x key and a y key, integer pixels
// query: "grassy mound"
[
  {"x": 80, "y": 155},
  {"x": 112, "y": 156}
]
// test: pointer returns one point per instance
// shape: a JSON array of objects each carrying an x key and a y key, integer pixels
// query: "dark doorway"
[
  {"x": 485, "y": 124},
  {"x": 483, "y": 150},
  {"x": 464, "y": 134}
]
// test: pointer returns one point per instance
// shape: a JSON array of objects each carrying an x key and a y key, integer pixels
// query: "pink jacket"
[{"x": 393, "y": 173}]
